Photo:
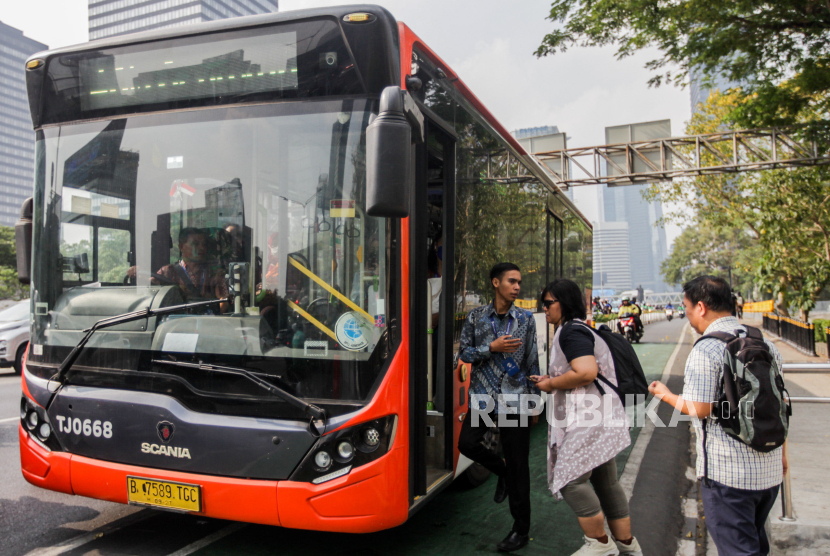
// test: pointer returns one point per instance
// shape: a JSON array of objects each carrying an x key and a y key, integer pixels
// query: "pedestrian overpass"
[{"x": 728, "y": 152}]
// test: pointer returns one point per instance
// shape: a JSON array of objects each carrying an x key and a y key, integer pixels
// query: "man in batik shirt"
[{"x": 499, "y": 340}]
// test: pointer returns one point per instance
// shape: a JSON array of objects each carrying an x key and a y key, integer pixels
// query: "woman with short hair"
[{"x": 581, "y": 448}]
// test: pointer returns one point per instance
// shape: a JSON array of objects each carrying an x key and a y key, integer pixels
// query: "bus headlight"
[
  {"x": 335, "y": 455},
  {"x": 322, "y": 460},
  {"x": 369, "y": 439},
  {"x": 34, "y": 419},
  {"x": 345, "y": 450}
]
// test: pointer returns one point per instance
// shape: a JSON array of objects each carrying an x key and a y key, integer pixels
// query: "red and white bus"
[{"x": 253, "y": 243}]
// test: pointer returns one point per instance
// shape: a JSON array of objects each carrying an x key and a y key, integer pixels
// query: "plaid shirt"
[
  {"x": 477, "y": 334},
  {"x": 731, "y": 462}
]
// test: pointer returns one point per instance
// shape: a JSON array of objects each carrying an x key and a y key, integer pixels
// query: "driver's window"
[
  {"x": 76, "y": 252},
  {"x": 113, "y": 252}
]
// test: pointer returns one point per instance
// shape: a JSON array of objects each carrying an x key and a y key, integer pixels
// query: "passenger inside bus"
[{"x": 195, "y": 273}]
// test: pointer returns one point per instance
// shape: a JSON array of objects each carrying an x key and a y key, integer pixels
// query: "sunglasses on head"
[{"x": 548, "y": 302}]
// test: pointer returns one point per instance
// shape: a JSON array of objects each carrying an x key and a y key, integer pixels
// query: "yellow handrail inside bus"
[
  {"x": 312, "y": 320},
  {"x": 330, "y": 289}
]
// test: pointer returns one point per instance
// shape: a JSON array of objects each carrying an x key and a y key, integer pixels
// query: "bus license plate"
[{"x": 164, "y": 494}]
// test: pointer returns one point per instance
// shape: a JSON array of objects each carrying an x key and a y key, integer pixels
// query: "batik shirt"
[{"x": 488, "y": 377}]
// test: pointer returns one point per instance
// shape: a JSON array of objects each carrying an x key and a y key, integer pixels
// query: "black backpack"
[
  {"x": 750, "y": 405},
  {"x": 630, "y": 376}
]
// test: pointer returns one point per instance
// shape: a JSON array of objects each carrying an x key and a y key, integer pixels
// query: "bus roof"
[
  {"x": 217, "y": 26},
  {"x": 407, "y": 36}
]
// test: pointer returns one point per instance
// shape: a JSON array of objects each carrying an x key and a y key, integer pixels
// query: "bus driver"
[{"x": 193, "y": 273}]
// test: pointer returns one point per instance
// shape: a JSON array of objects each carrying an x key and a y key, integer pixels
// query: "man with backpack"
[{"x": 734, "y": 390}]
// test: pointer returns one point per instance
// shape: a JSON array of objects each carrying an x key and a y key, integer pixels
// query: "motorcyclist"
[{"x": 628, "y": 308}]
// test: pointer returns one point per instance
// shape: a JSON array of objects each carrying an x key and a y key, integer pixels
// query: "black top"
[{"x": 576, "y": 341}]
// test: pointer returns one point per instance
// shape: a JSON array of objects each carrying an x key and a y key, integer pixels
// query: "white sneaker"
[
  {"x": 593, "y": 547},
  {"x": 632, "y": 549}
]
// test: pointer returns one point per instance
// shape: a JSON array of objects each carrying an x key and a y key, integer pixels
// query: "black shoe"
[
  {"x": 501, "y": 490},
  {"x": 513, "y": 541}
]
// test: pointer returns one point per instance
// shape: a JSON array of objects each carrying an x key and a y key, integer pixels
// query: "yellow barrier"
[
  {"x": 767, "y": 306},
  {"x": 525, "y": 303}
]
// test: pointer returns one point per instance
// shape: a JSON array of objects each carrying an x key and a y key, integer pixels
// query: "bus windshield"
[{"x": 262, "y": 205}]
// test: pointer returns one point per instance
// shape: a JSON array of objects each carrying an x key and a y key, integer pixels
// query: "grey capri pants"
[{"x": 606, "y": 495}]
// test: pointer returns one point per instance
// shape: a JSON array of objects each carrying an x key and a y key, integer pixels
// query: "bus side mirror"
[
  {"x": 389, "y": 141},
  {"x": 23, "y": 242}
]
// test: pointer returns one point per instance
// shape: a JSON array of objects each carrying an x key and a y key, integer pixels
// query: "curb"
[{"x": 694, "y": 541}]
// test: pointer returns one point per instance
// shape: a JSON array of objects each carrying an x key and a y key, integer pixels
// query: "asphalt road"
[{"x": 35, "y": 521}]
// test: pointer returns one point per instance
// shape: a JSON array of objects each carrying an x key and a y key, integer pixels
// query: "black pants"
[
  {"x": 735, "y": 518},
  {"x": 515, "y": 443}
]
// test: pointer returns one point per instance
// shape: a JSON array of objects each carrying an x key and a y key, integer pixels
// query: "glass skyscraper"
[
  {"x": 17, "y": 140},
  {"x": 641, "y": 241},
  {"x": 108, "y": 18},
  {"x": 699, "y": 91}
]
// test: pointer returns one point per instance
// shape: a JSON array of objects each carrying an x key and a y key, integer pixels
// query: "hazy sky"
[{"x": 490, "y": 45}]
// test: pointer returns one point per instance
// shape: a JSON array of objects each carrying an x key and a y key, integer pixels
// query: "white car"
[{"x": 14, "y": 334}]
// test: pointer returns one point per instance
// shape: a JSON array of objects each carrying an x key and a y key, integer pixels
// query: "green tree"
[
  {"x": 705, "y": 249},
  {"x": 786, "y": 210},
  {"x": 8, "y": 253},
  {"x": 10, "y": 286},
  {"x": 755, "y": 42}
]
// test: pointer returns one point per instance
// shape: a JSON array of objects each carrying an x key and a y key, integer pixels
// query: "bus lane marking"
[
  {"x": 635, "y": 458},
  {"x": 208, "y": 540},
  {"x": 72, "y": 544}
]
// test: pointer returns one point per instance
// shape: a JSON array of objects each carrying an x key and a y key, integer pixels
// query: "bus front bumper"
[{"x": 370, "y": 498}]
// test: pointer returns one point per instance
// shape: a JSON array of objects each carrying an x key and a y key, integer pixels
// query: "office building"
[
  {"x": 646, "y": 242},
  {"x": 544, "y": 139},
  {"x": 612, "y": 256},
  {"x": 108, "y": 18},
  {"x": 17, "y": 140},
  {"x": 699, "y": 92}
]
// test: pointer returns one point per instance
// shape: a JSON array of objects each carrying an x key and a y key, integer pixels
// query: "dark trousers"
[
  {"x": 515, "y": 468},
  {"x": 735, "y": 518}
]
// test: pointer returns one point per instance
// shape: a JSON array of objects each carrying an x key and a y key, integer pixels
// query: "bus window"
[
  {"x": 277, "y": 195},
  {"x": 112, "y": 256},
  {"x": 76, "y": 252}
]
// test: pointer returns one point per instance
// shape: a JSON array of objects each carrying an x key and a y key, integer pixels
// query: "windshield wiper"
[
  {"x": 121, "y": 319},
  {"x": 316, "y": 413}
]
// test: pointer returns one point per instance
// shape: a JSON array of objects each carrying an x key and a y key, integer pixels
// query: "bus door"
[{"x": 432, "y": 403}]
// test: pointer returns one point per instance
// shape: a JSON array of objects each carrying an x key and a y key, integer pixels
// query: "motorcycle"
[
  {"x": 682, "y": 313},
  {"x": 669, "y": 314},
  {"x": 630, "y": 330}
]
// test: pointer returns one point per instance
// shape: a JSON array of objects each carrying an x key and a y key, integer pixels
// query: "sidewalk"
[{"x": 809, "y": 452}]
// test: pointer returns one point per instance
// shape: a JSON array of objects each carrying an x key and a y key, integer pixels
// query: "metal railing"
[
  {"x": 787, "y": 510},
  {"x": 799, "y": 334}
]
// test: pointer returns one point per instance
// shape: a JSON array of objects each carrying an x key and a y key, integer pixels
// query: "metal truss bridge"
[{"x": 640, "y": 162}]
